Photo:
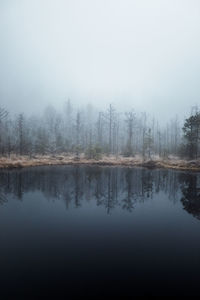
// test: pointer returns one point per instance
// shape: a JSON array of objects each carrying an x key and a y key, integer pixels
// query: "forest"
[{"x": 93, "y": 134}]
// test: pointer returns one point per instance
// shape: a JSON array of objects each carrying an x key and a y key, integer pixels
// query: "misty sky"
[{"x": 132, "y": 53}]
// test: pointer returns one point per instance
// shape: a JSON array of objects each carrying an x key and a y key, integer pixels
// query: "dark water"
[{"x": 95, "y": 231}]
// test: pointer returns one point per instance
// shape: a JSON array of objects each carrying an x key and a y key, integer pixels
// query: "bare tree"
[
  {"x": 78, "y": 128},
  {"x": 130, "y": 123},
  {"x": 20, "y": 124}
]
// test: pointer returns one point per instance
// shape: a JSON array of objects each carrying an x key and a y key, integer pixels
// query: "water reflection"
[
  {"x": 108, "y": 186},
  {"x": 190, "y": 186}
]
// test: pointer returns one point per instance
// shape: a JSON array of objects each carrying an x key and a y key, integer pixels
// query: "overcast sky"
[{"x": 132, "y": 53}]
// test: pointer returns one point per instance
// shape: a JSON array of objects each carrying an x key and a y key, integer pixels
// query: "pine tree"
[{"x": 191, "y": 131}]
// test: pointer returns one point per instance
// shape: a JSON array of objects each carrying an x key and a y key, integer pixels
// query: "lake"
[{"x": 99, "y": 231}]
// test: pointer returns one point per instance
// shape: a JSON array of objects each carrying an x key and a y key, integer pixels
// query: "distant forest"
[{"x": 94, "y": 133}]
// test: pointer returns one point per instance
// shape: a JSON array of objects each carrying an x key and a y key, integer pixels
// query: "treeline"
[{"x": 95, "y": 133}]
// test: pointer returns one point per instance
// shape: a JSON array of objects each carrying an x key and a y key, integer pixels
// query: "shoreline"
[{"x": 17, "y": 162}]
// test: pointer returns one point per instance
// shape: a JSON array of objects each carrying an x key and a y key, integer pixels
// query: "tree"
[
  {"x": 130, "y": 123},
  {"x": 20, "y": 125},
  {"x": 109, "y": 116},
  {"x": 41, "y": 143},
  {"x": 68, "y": 111},
  {"x": 99, "y": 127},
  {"x": 3, "y": 115},
  {"x": 148, "y": 143},
  {"x": 191, "y": 130},
  {"x": 78, "y": 128}
]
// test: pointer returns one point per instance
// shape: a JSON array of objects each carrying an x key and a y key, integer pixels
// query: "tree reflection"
[
  {"x": 110, "y": 187},
  {"x": 3, "y": 198},
  {"x": 128, "y": 201},
  {"x": 190, "y": 187}
]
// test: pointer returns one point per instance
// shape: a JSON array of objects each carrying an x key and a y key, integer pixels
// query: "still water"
[{"x": 99, "y": 231}]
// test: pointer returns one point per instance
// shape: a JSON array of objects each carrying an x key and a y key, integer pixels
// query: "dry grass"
[{"x": 39, "y": 160}]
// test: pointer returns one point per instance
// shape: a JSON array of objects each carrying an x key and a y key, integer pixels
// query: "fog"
[{"x": 134, "y": 54}]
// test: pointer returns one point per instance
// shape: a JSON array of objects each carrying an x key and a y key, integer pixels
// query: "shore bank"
[{"x": 46, "y": 160}]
